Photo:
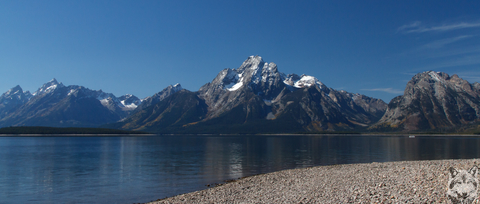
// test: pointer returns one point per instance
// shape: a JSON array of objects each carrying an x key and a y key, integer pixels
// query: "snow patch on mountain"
[
  {"x": 72, "y": 91},
  {"x": 48, "y": 87},
  {"x": 130, "y": 102},
  {"x": 257, "y": 72},
  {"x": 236, "y": 86},
  {"x": 129, "y": 106},
  {"x": 177, "y": 87},
  {"x": 355, "y": 96},
  {"x": 254, "y": 71},
  {"x": 436, "y": 76},
  {"x": 105, "y": 101},
  {"x": 252, "y": 63},
  {"x": 14, "y": 91},
  {"x": 14, "y": 96},
  {"x": 269, "y": 71},
  {"x": 307, "y": 81},
  {"x": 303, "y": 81}
]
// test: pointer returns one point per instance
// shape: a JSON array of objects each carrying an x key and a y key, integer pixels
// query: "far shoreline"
[
  {"x": 77, "y": 135},
  {"x": 43, "y": 130},
  {"x": 334, "y": 134},
  {"x": 38, "y": 131},
  {"x": 413, "y": 136}
]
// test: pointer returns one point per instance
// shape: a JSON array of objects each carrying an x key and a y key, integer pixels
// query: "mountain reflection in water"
[{"x": 141, "y": 169}]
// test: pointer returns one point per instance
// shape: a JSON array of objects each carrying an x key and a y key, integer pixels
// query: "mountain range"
[
  {"x": 257, "y": 98},
  {"x": 433, "y": 101},
  {"x": 57, "y": 105},
  {"x": 253, "y": 98}
]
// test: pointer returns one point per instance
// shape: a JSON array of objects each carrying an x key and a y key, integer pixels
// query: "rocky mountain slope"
[
  {"x": 152, "y": 100},
  {"x": 256, "y": 98},
  {"x": 57, "y": 105},
  {"x": 433, "y": 101},
  {"x": 168, "y": 115},
  {"x": 12, "y": 99}
]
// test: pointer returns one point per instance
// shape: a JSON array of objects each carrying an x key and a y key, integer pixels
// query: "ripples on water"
[{"x": 141, "y": 169}]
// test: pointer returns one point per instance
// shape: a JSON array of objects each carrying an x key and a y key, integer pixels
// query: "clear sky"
[{"x": 140, "y": 47}]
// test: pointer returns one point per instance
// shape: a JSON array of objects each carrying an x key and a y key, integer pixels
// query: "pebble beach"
[{"x": 389, "y": 182}]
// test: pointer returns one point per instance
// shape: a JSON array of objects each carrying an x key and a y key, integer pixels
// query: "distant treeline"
[
  {"x": 329, "y": 132},
  {"x": 77, "y": 130},
  {"x": 68, "y": 130}
]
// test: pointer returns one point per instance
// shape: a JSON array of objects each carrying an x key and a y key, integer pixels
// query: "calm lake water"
[{"x": 142, "y": 169}]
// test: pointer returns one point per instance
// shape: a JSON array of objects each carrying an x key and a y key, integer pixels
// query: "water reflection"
[{"x": 141, "y": 169}]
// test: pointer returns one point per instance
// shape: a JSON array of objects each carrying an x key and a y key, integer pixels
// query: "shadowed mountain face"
[
  {"x": 57, "y": 105},
  {"x": 168, "y": 115},
  {"x": 12, "y": 99},
  {"x": 433, "y": 101},
  {"x": 257, "y": 98},
  {"x": 152, "y": 100}
]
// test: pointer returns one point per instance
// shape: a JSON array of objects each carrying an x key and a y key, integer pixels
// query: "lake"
[{"x": 141, "y": 169}]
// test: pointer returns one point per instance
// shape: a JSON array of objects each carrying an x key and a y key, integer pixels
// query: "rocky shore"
[{"x": 389, "y": 182}]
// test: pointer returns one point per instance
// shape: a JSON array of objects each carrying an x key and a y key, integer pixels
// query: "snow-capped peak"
[
  {"x": 302, "y": 81},
  {"x": 15, "y": 90},
  {"x": 176, "y": 87},
  {"x": 253, "y": 62},
  {"x": 48, "y": 87},
  {"x": 250, "y": 71},
  {"x": 254, "y": 72},
  {"x": 437, "y": 76},
  {"x": 15, "y": 96},
  {"x": 307, "y": 81}
]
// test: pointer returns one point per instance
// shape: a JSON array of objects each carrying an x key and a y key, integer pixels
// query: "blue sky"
[{"x": 140, "y": 47}]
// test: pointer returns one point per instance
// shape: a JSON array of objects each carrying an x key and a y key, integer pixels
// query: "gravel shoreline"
[{"x": 389, "y": 182}]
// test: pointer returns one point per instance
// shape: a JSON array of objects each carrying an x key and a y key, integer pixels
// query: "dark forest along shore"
[{"x": 141, "y": 169}]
